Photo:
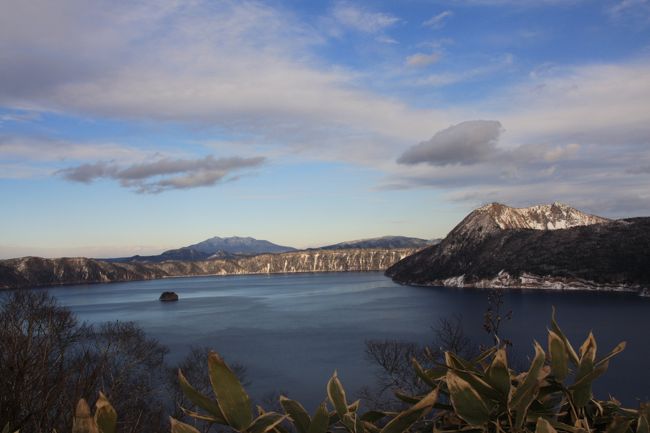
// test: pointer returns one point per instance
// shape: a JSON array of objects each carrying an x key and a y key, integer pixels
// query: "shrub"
[
  {"x": 479, "y": 394},
  {"x": 482, "y": 394}
]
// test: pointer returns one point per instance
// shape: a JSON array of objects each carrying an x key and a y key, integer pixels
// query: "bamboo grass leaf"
[
  {"x": 320, "y": 421},
  {"x": 231, "y": 396},
  {"x": 297, "y": 413},
  {"x": 105, "y": 415},
  {"x": 181, "y": 427},
  {"x": 405, "y": 419},
  {"x": 467, "y": 402}
]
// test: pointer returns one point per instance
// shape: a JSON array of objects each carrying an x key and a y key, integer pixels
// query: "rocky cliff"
[
  {"x": 548, "y": 246},
  {"x": 38, "y": 272}
]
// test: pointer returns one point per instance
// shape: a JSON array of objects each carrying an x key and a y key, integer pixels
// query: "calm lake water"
[{"x": 293, "y": 331}]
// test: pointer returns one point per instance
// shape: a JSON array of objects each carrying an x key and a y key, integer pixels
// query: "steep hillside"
[
  {"x": 551, "y": 246},
  {"x": 38, "y": 272}
]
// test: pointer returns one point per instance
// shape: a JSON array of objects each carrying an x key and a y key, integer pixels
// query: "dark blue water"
[{"x": 293, "y": 331}]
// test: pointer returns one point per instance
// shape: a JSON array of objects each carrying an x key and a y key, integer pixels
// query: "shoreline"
[{"x": 530, "y": 282}]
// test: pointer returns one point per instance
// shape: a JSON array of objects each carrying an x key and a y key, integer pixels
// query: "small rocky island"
[{"x": 168, "y": 297}]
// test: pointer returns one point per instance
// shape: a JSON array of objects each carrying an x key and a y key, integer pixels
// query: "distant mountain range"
[
  {"x": 213, "y": 248},
  {"x": 550, "y": 246},
  {"x": 384, "y": 242},
  {"x": 547, "y": 246},
  {"x": 233, "y": 247}
]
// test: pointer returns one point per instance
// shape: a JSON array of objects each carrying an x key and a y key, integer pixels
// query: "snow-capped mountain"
[
  {"x": 541, "y": 217},
  {"x": 546, "y": 246},
  {"x": 496, "y": 216}
]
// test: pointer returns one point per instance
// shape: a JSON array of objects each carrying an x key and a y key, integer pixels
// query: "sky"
[{"x": 132, "y": 127}]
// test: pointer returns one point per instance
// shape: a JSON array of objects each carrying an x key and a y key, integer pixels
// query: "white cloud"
[
  {"x": 561, "y": 152},
  {"x": 578, "y": 134},
  {"x": 621, "y": 7},
  {"x": 39, "y": 149},
  {"x": 438, "y": 21},
  {"x": 251, "y": 68},
  {"x": 447, "y": 78},
  {"x": 516, "y": 3},
  {"x": 240, "y": 66},
  {"x": 361, "y": 19}
]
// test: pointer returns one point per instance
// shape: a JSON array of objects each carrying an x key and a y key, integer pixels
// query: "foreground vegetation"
[{"x": 482, "y": 393}]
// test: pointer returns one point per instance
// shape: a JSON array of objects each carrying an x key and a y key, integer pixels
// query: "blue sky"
[{"x": 134, "y": 127}]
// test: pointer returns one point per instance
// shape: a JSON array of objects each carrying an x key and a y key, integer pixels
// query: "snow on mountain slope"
[
  {"x": 496, "y": 217},
  {"x": 540, "y": 217}
]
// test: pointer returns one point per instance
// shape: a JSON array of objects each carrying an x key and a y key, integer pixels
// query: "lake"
[{"x": 293, "y": 331}]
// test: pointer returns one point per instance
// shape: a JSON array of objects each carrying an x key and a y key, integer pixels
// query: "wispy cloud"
[
  {"x": 237, "y": 66},
  {"x": 516, "y": 3},
  {"x": 163, "y": 174},
  {"x": 43, "y": 149},
  {"x": 442, "y": 79},
  {"x": 419, "y": 60},
  {"x": 438, "y": 21},
  {"x": 630, "y": 10},
  {"x": 361, "y": 19}
]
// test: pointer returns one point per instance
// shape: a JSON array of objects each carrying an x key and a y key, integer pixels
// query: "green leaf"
[
  {"x": 231, "y": 397},
  {"x": 467, "y": 373},
  {"x": 405, "y": 419},
  {"x": 83, "y": 422},
  {"x": 581, "y": 389},
  {"x": 336, "y": 395},
  {"x": 320, "y": 421},
  {"x": 370, "y": 427},
  {"x": 484, "y": 355},
  {"x": 181, "y": 427},
  {"x": 559, "y": 356},
  {"x": 105, "y": 415},
  {"x": 456, "y": 362},
  {"x": 642, "y": 425},
  {"x": 618, "y": 349},
  {"x": 200, "y": 416},
  {"x": 359, "y": 425},
  {"x": 527, "y": 391},
  {"x": 6, "y": 428},
  {"x": 266, "y": 422},
  {"x": 406, "y": 398},
  {"x": 573, "y": 356},
  {"x": 498, "y": 374},
  {"x": 375, "y": 415},
  {"x": 544, "y": 426},
  {"x": 297, "y": 412},
  {"x": 587, "y": 356},
  {"x": 422, "y": 374},
  {"x": 201, "y": 400},
  {"x": 467, "y": 402},
  {"x": 565, "y": 427}
]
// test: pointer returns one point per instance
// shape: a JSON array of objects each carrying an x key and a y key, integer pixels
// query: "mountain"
[
  {"x": 547, "y": 246},
  {"x": 238, "y": 245},
  {"x": 38, "y": 272},
  {"x": 213, "y": 248},
  {"x": 383, "y": 242},
  {"x": 496, "y": 217}
]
